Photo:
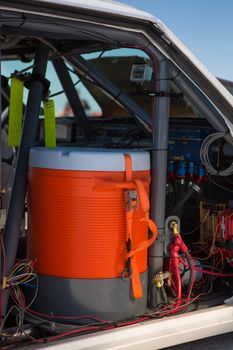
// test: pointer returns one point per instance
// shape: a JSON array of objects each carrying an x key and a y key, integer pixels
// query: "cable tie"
[
  {"x": 36, "y": 77},
  {"x": 117, "y": 96},
  {"x": 4, "y": 282}
]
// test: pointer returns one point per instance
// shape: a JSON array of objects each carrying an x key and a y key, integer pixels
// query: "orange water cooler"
[{"x": 87, "y": 231}]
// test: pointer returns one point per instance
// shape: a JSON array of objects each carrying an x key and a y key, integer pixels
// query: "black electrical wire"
[
  {"x": 164, "y": 295},
  {"x": 184, "y": 198},
  {"x": 218, "y": 185},
  {"x": 157, "y": 296},
  {"x": 74, "y": 28},
  {"x": 191, "y": 275},
  {"x": 55, "y": 56},
  {"x": 82, "y": 78}
]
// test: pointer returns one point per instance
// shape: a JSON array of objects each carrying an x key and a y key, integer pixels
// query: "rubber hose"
[{"x": 187, "y": 195}]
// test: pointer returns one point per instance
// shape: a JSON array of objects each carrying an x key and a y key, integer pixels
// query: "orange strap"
[
  {"x": 139, "y": 186},
  {"x": 136, "y": 283},
  {"x": 145, "y": 206},
  {"x": 128, "y": 168}
]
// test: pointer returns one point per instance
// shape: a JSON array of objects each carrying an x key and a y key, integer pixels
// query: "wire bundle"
[
  {"x": 204, "y": 153},
  {"x": 22, "y": 273}
]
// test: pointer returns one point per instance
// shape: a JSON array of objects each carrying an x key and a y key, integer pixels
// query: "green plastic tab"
[
  {"x": 15, "y": 112},
  {"x": 49, "y": 123}
]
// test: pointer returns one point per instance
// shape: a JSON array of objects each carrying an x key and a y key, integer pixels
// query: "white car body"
[{"x": 154, "y": 334}]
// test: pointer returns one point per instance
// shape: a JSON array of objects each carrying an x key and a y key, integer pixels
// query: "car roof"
[
  {"x": 110, "y": 8},
  {"x": 107, "y": 6}
]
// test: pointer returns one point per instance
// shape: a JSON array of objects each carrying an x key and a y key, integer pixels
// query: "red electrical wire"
[
  {"x": 65, "y": 334},
  {"x": 79, "y": 330},
  {"x": 55, "y": 316},
  {"x": 212, "y": 273},
  {"x": 174, "y": 268},
  {"x": 161, "y": 313},
  {"x": 67, "y": 317},
  {"x": 3, "y": 275},
  {"x": 90, "y": 328},
  {"x": 193, "y": 278}
]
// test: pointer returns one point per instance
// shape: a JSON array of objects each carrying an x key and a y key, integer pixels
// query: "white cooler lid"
[{"x": 87, "y": 159}]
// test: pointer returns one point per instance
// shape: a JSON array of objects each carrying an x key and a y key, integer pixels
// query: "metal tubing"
[
  {"x": 107, "y": 85},
  {"x": 28, "y": 138},
  {"x": 195, "y": 95},
  {"x": 73, "y": 98},
  {"x": 1, "y": 154},
  {"x": 199, "y": 100},
  {"x": 202, "y": 104},
  {"x": 160, "y": 145},
  {"x": 159, "y": 167},
  {"x": 186, "y": 196},
  {"x": 1, "y": 119},
  {"x": 4, "y": 116}
]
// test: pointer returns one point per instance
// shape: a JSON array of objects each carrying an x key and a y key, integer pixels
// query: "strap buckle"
[
  {"x": 127, "y": 273},
  {"x": 131, "y": 199}
]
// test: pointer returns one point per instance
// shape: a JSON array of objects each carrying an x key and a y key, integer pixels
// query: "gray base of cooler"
[{"x": 109, "y": 299}]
